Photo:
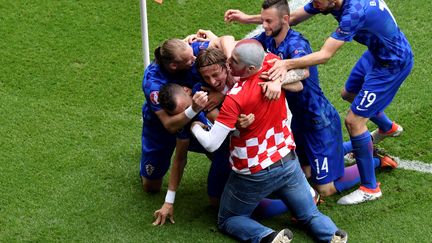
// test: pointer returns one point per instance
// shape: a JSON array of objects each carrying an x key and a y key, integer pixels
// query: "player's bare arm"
[
  {"x": 173, "y": 123},
  {"x": 235, "y": 15},
  {"x": 295, "y": 75},
  {"x": 176, "y": 174},
  {"x": 298, "y": 16},
  {"x": 272, "y": 89},
  {"x": 280, "y": 68}
]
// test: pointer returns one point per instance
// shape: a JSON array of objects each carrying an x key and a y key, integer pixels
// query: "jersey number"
[
  {"x": 382, "y": 6},
  {"x": 323, "y": 167},
  {"x": 369, "y": 97}
]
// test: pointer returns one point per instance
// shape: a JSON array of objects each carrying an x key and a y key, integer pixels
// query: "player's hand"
[
  {"x": 161, "y": 215},
  {"x": 264, "y": 76},
  {"x": 279, "y": 69},
  {"x": 199, "y": 101},
  {"x": 215, "y": 98},
  {"x": 235, "y": 15},
  {"x": 206, "y": 35},
  {"x": 193, "y": 38},
  {"x": 272, "y": 89},
  {"x": 244, "y": 120}
]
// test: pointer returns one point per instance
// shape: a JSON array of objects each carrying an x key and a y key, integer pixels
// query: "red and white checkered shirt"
[{"x": 268, "y": 138}]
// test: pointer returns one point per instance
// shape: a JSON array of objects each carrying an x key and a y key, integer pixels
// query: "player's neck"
[
  {"x": 338, "y": 4},
  {"x": 281, "y": 36}
]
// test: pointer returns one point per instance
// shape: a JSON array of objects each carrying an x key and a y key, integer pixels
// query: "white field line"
[
  {"x": 403, "y": 164},
  {"x": 414, "y": 165}
]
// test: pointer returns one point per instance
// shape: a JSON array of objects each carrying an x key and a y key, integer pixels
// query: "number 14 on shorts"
[{"x": 321, "y": 168}]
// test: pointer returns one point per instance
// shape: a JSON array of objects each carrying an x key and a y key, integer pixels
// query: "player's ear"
[
  {"x": 251, "y": 68},
  {"x": 286, "y": 18}
]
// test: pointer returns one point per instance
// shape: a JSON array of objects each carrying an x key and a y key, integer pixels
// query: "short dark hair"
[
  {"x": 209, "y": 57},
  {"x": 166, "y": 96},
  {"x": 281, "y": 6}
]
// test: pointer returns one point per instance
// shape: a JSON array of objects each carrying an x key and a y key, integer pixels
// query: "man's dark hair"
[
  {"x": 281, "y": 6},
  {"x": 167, "y": 96}
]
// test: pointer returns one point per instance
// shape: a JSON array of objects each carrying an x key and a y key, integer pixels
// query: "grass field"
[{"x": 70, "y": 125}]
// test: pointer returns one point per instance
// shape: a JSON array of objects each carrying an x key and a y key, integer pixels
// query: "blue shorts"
[
  {"x": 158, "y": 147},
  {"x": 220, "y": 170},
  {"x": 375, "y": 84},
  {"x": 322, "y": 149}
]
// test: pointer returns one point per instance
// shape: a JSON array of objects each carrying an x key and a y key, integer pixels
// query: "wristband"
[
  {"x": 190, "y": 113},
  {"x": 170, "y": 196}
]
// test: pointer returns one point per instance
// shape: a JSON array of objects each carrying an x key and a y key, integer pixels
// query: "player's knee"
[
  {"x": 151, "y": 186},
  {"x": 347, "y": 96},
  {"x": 350, "y": 123}
]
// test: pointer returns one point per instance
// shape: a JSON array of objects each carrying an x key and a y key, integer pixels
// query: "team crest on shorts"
[
  {"x": 154, "y": 97},
  {"x": 149, "y": 169}
]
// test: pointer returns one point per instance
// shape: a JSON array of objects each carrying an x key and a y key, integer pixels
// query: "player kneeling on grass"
[
  {"x": 262, "y": 156},
  {"x": 174, "y": 63}
]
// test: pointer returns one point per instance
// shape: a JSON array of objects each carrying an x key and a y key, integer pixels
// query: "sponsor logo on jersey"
[
  {"x": 360, "y": 109},
  {"x": 372, "y": 3},
  {"x": 154, "y": 97},
  {"x": 339, "y": 31},
  {"x": 321, "y": 177}
]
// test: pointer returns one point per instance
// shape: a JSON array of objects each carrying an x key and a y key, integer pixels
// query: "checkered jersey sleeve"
[
  {"x": 152, "y": 82},
  {"x": 298, "y": 47},
  {"x": 229, "y": 112},
  {"x": 352, "y": 20}
]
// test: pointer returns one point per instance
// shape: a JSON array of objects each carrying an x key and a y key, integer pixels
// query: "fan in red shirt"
[{"x": 262, "y": 156}]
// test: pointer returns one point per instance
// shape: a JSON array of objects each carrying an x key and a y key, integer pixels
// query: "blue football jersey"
[
  {"x": 371, "y": 23},
  {"x": 309, "y": 106},
  {"x": 155, "y": 77}
]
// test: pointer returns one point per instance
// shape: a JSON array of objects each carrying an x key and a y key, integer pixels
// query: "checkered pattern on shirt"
[
  {"x": 254, "y": 154},
  {"x": 268, "y": 138}
]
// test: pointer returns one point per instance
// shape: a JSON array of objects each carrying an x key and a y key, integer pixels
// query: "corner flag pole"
[{"x": 144, "y": 33}]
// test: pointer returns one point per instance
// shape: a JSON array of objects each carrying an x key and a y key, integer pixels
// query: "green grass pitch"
[{"x": 70, "y": 125}]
